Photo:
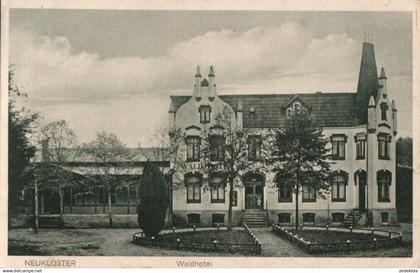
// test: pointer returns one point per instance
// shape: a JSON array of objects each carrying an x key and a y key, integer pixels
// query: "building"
[{"x": 362, "y": 127}]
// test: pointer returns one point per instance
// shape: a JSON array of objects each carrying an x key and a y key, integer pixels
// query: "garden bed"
[
  {"x": 325, "y": 239},
  {"x": 207, "y": 240}
]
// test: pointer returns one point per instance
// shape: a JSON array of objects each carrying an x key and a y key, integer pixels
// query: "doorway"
[
  {"x": 361, "y": 175},
  {"x": 254, "y": 196}
]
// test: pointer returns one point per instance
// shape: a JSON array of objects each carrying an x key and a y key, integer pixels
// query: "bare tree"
[
  {"x": 160, "y": 144},
  {"x": 110, "y": 156}
]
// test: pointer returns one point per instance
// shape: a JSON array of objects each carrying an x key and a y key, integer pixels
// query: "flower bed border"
[
  {"x": 310, "y": 247},
  {"x": 246, "y": 248}
]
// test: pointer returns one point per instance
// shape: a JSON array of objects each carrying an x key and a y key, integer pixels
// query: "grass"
[
  {"x": 208, "y": 236},
  {"x": 320, "y": 236}
]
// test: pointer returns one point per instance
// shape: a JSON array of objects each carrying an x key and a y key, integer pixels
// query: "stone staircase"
[
  {"x": 353, "y": 218},
  {"x": 255, "y": 218}
]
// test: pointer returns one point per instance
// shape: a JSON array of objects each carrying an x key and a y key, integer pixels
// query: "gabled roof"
[{"x": 328, "y": 109}]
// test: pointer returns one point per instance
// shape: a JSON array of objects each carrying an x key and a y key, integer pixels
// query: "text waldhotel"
[{"x": 361, "y": 126}]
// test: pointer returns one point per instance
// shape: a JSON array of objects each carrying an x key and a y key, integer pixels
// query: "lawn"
[{"x": 321, "y": 236}]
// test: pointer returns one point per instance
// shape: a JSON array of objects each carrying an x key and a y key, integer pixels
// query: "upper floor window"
[
  {"x": 296, "y": 107},
  {"x": 204, "y": 113},
  {"x": 308, "y": 194},
  {"x": 360, "y": 140},
  {"x": 384, "y": 109},
  {"x": 339, "y": 187},
  {"x": 338, "y": 147},
  {"x": 383, "y": 178},
  {"x": 284, "y": 190},
  {"x": 193, "y": 148},
  {"x": 383, "y": 146},
  {"x": 254, "y": 147},
  {"x": 217, "y": 188},
  {"x": 193, "y": 183},
  {"x": 216, "y": 147}
]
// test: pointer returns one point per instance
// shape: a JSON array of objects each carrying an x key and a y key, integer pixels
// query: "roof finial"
[
  {"x": 211, "y": 71},
  {"x": 198, "y": 74},
  {"x": 382, "y": 75}
]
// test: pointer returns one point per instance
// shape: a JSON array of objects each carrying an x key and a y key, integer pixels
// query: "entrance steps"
[
  {"x": 353, "y": 218},
  {"x": 255, "y": 218}
]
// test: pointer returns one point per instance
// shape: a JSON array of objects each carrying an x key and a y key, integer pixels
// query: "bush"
[{"x": 154, "y": 201}]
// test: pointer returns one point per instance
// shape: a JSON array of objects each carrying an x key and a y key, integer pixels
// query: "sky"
[{"x": 115, "y": 70}]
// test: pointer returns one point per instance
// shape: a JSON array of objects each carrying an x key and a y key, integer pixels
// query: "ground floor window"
[
  {"x": 309, "y": 218},
  {"x": 193, "y": 218},
  {"x": 193, "y": 184},
  {"x": 284, "y": 218},
  {"x": 217, "y": 189},
  {"x": 385, "y": 217},
  {"x": 339, "y": 186},
  {"x": 337, "y": 217},
  {"x": 218, "y": 218}
]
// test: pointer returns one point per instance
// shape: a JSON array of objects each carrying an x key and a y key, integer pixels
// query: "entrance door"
[
  {"x": 254, "y": 196},
  {"x": 362, "y": 192}
]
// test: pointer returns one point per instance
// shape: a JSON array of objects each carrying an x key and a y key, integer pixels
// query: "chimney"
[{"x": 368, "y": 81}]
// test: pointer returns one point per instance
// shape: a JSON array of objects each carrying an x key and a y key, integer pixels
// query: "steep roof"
[{"x": 328, "y": 109}]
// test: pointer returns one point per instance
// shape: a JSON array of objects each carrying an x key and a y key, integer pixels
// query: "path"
[{"x": 273, "y": 245}]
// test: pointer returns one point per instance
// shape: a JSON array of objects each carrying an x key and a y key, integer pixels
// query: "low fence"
[
  {"x": 378, "y": 239},
  {"x": 175, "y": 242}
]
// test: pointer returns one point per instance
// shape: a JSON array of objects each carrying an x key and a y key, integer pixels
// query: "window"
[
  {"x": 339, "y": 187},
  {"x": 308, "y": 195},
  {"x": 385, "y": 217},
  {"x": 217, "y": 188},
  {"x": 289, "y": 112},
  {"x": 193, "y": 218},
  {"x": 337, "y": 217},
  {"x": 384, "y": 181},
  {"x": 193, "y": 148},
  {"x": 193, "y": 184},
  {"x": 338, "y": 147},
  {"x": 383, "y": 146},
  {"x": 297, "y": 107},
  {"x": 204, "y": 113},
  {"x": 218, "y": 218},
  {"x": 254, "y": 147},
  {"x": 284, "y": 218},
  {"x": 360, "y": 140},
  {"x": 384, "y": 109},
  {"x": 309, "y": 218},
  {"x": 216, "y": 147},
  {"x": 284, "y": 190}
]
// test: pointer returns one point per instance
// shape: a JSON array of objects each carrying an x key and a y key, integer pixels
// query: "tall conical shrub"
[{"x": 154, "y": 201}]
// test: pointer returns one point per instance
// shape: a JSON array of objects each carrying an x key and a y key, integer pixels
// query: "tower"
[
  {"x": 367, "y": 85},
  {"x": 197, "y": 85}
]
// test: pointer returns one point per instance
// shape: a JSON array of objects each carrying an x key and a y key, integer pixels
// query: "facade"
[{"x": 361, "y": 126}]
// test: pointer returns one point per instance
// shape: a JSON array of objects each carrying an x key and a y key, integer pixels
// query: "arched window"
[
  {"x": 284, "y": 189},
  {"x": 383, "y": 178},
  {"x": 339, "y": 186},
  {"x": 337, "y": 217},
  {"x": 284, "y": 218},
  {"x": 216, "y": 147},
  {"x": 193, "y": 218},
  {"x": 193, "y": 183},
  {"x": 309, "y": 218},
  {"x": 384, "y": 109},
  {"x": 217, "y": 188},
  {"x": 385, "y": 217},
  {"x": 193, "y": 148}
]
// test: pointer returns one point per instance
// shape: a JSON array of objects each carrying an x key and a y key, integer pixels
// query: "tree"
[
  {"x": 160, "y": 144},
  {"x": 154, "y": 200},
  {"x": 405, "y": 151},
  {"x": 61, "y": 146},
  {"x": 224, "y": 152},
  {"x": 110, "y": 155},
  {"x": 20, "y": 148},
  {"x": 300, "y": 158}
]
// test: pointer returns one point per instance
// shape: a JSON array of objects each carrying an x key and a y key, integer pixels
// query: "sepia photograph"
[{"x": 210, "y": 133}]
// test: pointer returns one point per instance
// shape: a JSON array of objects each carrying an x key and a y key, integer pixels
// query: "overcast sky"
[{"x": 115, "y": 70}]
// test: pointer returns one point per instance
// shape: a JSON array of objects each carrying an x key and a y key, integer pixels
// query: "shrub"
[{"x": 154, "y": 201}]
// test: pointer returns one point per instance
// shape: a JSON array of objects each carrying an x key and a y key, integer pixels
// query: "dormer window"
[
  {"x": 204, "y": 113},
  {"x": 296, "y": 107},
  {"x": 384, "y": 110}
]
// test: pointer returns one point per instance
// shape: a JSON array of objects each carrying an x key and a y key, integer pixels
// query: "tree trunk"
[
  {"x": 109, "y": 205},
  {"x": 36, "y": 206},
  {"x": 230, "y": 204},
  {"x": 61, "y": 193},
  {"x": 297, "y": 207}
]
